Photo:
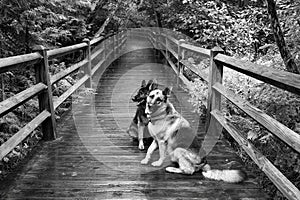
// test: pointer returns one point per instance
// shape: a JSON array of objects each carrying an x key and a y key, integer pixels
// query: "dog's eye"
[{"x": 151, "y": 96}]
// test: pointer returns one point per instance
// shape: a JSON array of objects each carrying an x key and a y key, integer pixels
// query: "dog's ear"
[
  {"x": 153, "y": 85},
  {"x": 149, "y": 84},
  {"x": 167, "y": 92},
  {"x": 143, "y": 83}
]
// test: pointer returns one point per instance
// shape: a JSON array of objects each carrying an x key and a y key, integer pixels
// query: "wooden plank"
[
  {"x": 161, "y": 44},
  {"x": 95, "y": 158},
  {"x": 173, "y": 52},
  {"x": 202, "y": 51},
  {"x": 65, "y": 50},
  {"x": 281, "y": 182},
  {"x": 60, "y": 75},
  {"x": 12, "y": 142},
  {"x": 170, "y": 62},
  {"x": 171, "y": 38},
  {"x": 281, "y": 79},
  {"x": 97, "y": 53},
  {"x": 45, "y": 98},
  {"x": 215, "y": 76},
  {"x": 284, "y": 133},
  {"x": 96, "y": 67},
  {"x": 88, "y": 68},
  {"x": 95, "y": 41},
  {"x": 11, "y": 103},
  {"x": 69, "y": 92},
  {"x": 198, "y": 72},
  {"x": 10, "y": 63}
]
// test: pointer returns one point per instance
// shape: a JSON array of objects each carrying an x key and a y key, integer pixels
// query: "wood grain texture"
[
  {"x": 276, "y": 128},
  {"x": 65, "y": 50},
  {"x": 281, "y": 182},
  {"x": 9, "y": 104},
  {"x": 281, "y": 79},
  {"x": 13, "y": 141},
  {"x": 94, "y": 157},
  {"x": 69, "y": 92},
  {"x": 62, "y": 74},
  {"x": 198, "y": 72},
  {"x": 45, "y": 99},
  {"x": 11, "y": 63},
  {"x": 199, "y": 50}
]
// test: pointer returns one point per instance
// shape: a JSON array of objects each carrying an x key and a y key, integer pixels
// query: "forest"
[{"x": 266, "y": 32}]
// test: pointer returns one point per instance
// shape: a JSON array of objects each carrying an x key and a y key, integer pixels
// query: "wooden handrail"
[
  {"x": 281, "y": 182},
  {"x": 281, "y": 131},
  {"x": 46, "y": 117},
  {"x": 12, "y": 142},
  {"x": 281, "y": 79},
  {"x": 10, "y": 63},
  {"x": 13, "y": 102},
  {"x": 108, "y": 49},
  {"x": 65, "y": 50}
]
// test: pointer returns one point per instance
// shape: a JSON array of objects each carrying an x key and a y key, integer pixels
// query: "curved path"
[{"x": 94, "y": 158}]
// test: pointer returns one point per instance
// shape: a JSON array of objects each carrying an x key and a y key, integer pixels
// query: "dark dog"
[{"x": 140, "y": 120}]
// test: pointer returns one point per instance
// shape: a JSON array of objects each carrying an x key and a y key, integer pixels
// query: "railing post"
[
  {"x": 114, "y": 46},
  {"x": 179, "y": 52},
  {"x": 215, "y": 76},
  {"x": 45, "y": 97},
  {"x": 182, "y": 58},
  {"x": 104, "y": 46},
  {"x": 117, "y": 45},
  {"x": 88, "y": 68},
  {"x": 167, "y": 44},
  {"x": 155, "y": 45}
]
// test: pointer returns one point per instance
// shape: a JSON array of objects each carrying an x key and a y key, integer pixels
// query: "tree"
[
  {"x": 279, "y": 38},
  {"x": 24, "y": 24}
]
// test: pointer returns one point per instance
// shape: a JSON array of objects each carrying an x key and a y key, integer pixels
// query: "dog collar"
[
  {"x": 153, "y": 119},
  {"x": 158, "y": 114}
]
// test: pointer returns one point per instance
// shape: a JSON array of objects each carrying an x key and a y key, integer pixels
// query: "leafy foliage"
[
  {"x": 241, "y": 30},
  {"x": 52, "y": 23},
  {"x": 281, "y": 105}
]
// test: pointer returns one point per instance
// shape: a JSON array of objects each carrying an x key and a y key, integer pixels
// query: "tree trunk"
[
  {"x": 157, "y": 15},
  {"x": 279, "y": 38},
  {"x": 102, "y": 28}
]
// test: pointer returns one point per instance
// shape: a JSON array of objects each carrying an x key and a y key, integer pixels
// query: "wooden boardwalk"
[{"x": 94, "y": 158}]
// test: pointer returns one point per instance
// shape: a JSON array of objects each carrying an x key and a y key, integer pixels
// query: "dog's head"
[
  {"x": 144, "y": 90},
  {"x": 156, "y": 99}
]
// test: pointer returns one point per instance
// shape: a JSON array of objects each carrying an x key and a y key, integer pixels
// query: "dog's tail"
[{"x": 227, "y": 175}]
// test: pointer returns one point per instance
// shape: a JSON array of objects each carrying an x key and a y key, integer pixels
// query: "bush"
[{"x": 279, "y": 104}]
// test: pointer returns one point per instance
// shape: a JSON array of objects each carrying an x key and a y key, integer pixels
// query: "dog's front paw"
[
  {"x": 141, "y": 145},
  {"x": 157, "y": 163},
  {"x": 145, "y": 161}
]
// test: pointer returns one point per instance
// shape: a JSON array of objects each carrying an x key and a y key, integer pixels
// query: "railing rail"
[
  {"x": 94, "y": 51},
  {"x": 281, "y": 79}
]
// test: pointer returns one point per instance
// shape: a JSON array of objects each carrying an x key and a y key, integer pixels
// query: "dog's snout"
[{"x": 147, "y": 110}]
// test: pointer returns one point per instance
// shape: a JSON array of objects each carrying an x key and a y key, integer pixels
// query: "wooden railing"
[
  {"x": 281, "y": 79},
  {"x": 100, "y": 51}
]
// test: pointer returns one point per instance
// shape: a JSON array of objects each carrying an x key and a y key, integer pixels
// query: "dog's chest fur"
[{"x": 158, "y": 128}]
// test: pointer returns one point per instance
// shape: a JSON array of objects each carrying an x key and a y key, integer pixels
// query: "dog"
[
  {"x": 173, "y": 135},
  {"x": 140, "y": 120}
]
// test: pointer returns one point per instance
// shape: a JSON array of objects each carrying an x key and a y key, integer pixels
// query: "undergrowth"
[
  {"x": 279, "y": 104},
  {"x": 12, "y": 122}
]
